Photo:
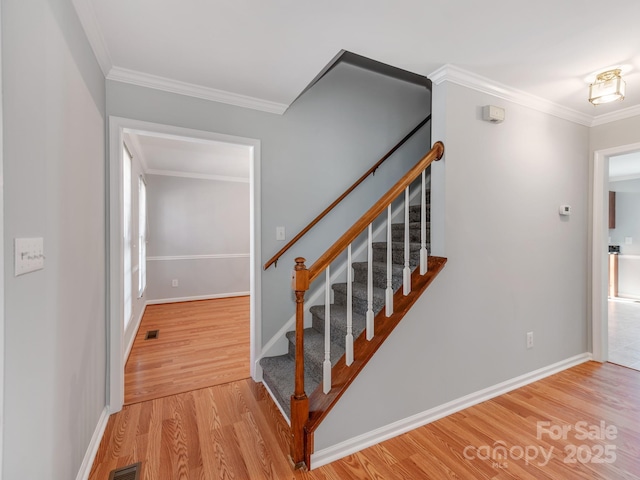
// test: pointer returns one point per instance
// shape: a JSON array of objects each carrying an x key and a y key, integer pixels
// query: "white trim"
[
  {"x": 622, "y": 178},
  {"x": 599, "y": 251},
  {"x": 192, "y": 90},
  {"x": 201, "y": 176},
  {"x": 284, "y": 414},
  {"x": 467, "y": 79},
  {"x": 134, "y": 327},
  {"x": 94, "y": 444},
  {"x": 198, "y": 297},
  {"x": 138, "y": 152},
  {"x": 381, "y": 434},
  {"x": 89, "y": 22},
  {"x": 115, "y": 366},
  {"x": 117, "y": 126},
  {"x": 198, "y": 257},
  {"x": 2, "y": 320},
  {"x": 615, "y": 116}
]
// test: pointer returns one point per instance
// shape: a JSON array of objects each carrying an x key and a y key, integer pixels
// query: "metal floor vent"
[
  {"x": 152, "y": 334},
  {"x": 130, "y": 472}
]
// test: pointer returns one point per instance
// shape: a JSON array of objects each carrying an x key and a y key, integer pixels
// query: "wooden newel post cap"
[{"x": 300, "y": 276}]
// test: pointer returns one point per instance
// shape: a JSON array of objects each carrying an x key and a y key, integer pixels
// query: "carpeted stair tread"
[
  {"x": 359, "y": 297},
  {"x": 279, "y": 371},
  {"x": 314, "y": 351},
  {"x": 415, "y": 213},
  {"x": 338, "y": 322},
  {"x": 397, "y": 252},
  {"x": 379, "y": 271},
  {"x": 278, "y": 374},
  {"x": 397, "y": 232}
]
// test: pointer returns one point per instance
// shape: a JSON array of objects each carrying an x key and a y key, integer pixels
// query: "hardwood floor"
[
  {"x": 234, "y": 431},
  {"x": 200, "y": 344}
]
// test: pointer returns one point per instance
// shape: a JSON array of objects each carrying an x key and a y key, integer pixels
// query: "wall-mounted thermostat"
[
  {"x": 493, "y": 114},
  {"x": 564, "y": 210}
]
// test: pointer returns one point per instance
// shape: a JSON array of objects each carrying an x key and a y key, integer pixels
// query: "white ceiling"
[
  {"x": 270, "y": 50},
  {"x": 170, "y": 155}
]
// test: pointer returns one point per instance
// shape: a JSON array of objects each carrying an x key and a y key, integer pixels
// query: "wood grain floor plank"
[
  {"x": 200, "y": 344},
  {"x": 235, "y": 432}
]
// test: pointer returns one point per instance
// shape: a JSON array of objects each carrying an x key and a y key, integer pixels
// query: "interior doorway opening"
[
  {"x": 600, "y": 257},
  {"x": 623, "y": 322},
  {"x": 156, "y": 145}
]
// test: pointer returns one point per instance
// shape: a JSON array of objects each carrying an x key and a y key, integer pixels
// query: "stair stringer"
[
  {"x": 278, "y": 344},
  {"x": 320, "y": 404}
]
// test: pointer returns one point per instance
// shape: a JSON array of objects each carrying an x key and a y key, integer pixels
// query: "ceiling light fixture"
[{"x": 607, "y": 87}]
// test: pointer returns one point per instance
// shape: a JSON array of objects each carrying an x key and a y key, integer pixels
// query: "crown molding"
[
  {"x": 201, "y": 176},
  {"x": 467, "y": 79},
  {"x": 615, "y": 116},
  {"x": 89, "y": 21},
  {"x": 183, "y": 88}
]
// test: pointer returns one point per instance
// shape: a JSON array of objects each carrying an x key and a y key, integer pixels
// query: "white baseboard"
[
  {"x": 286, "y": 417},
  {"x": 94, "y": 444},
  {"x": 132, "y": 338},
  {"x": 381, "y": 434},
  {"x": 199, "y": 297}
]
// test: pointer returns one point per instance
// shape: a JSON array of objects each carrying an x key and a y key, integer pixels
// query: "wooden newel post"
[{"x": 299, "y": 400}]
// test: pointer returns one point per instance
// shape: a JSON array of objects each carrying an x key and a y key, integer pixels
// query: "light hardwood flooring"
[
  {"x": 200, "y": 344},
  {"x": 234, "y": 431}
]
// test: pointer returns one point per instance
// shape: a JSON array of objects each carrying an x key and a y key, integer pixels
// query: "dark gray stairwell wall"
[{"x": 309, "y": 156}]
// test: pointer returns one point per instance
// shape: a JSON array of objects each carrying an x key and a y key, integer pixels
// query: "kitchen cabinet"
[{"x": 612, "y": 209}]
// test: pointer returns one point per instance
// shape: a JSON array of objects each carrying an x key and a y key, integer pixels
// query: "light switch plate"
[{"x": 29, "y": 255}]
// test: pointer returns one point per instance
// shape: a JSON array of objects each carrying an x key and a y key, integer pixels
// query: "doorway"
[
  {"x": 120, "y": 341},
  {"x": 624, "y": 260},
  {"x": 600, "y": 249}
]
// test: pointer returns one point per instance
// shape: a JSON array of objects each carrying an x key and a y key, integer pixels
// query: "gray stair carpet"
[{"x": 279, "y": 371}]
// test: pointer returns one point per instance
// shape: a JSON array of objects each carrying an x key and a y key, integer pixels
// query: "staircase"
[
  {"x": 325, "y": 358},
  {"x": 278, "y": 372}
]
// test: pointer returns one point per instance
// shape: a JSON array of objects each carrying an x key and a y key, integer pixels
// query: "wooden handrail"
[
  {"x": 350, "y": 235},
  {"x": 313, "y": 223},
  {"x": 301, "y": 433}
]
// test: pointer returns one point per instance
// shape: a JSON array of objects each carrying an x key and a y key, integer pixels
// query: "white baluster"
[
  {"x": 423, "y": 226},
  {"x": 406, "y": 272},
  {"x": 389, "y": 291},
  {"x": 370, "y": 316},
  {"x": 349, "y": 338},
  {"x": 326, "y": 365}
]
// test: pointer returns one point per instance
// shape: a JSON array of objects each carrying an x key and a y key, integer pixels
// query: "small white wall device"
[
  {"x": 565, "y": 210},
  {"x": 493, "y": 114}
]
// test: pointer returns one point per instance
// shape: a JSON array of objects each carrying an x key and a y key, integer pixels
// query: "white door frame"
[
  {"x": 1, "y": 268},
  {"x": 599, "y": 254},
  {"x": 115, "y": 346}
]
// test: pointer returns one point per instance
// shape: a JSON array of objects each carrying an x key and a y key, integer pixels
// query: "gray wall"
[
  {"x": 514, "y": 266},
  {"x": 191, "y": 217},
  {"x": 54, "y": 107},
  {"x": 627, "y": 222},
  {"x": 627, "y": 225},
  {"x": 309, "y": 156}
]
